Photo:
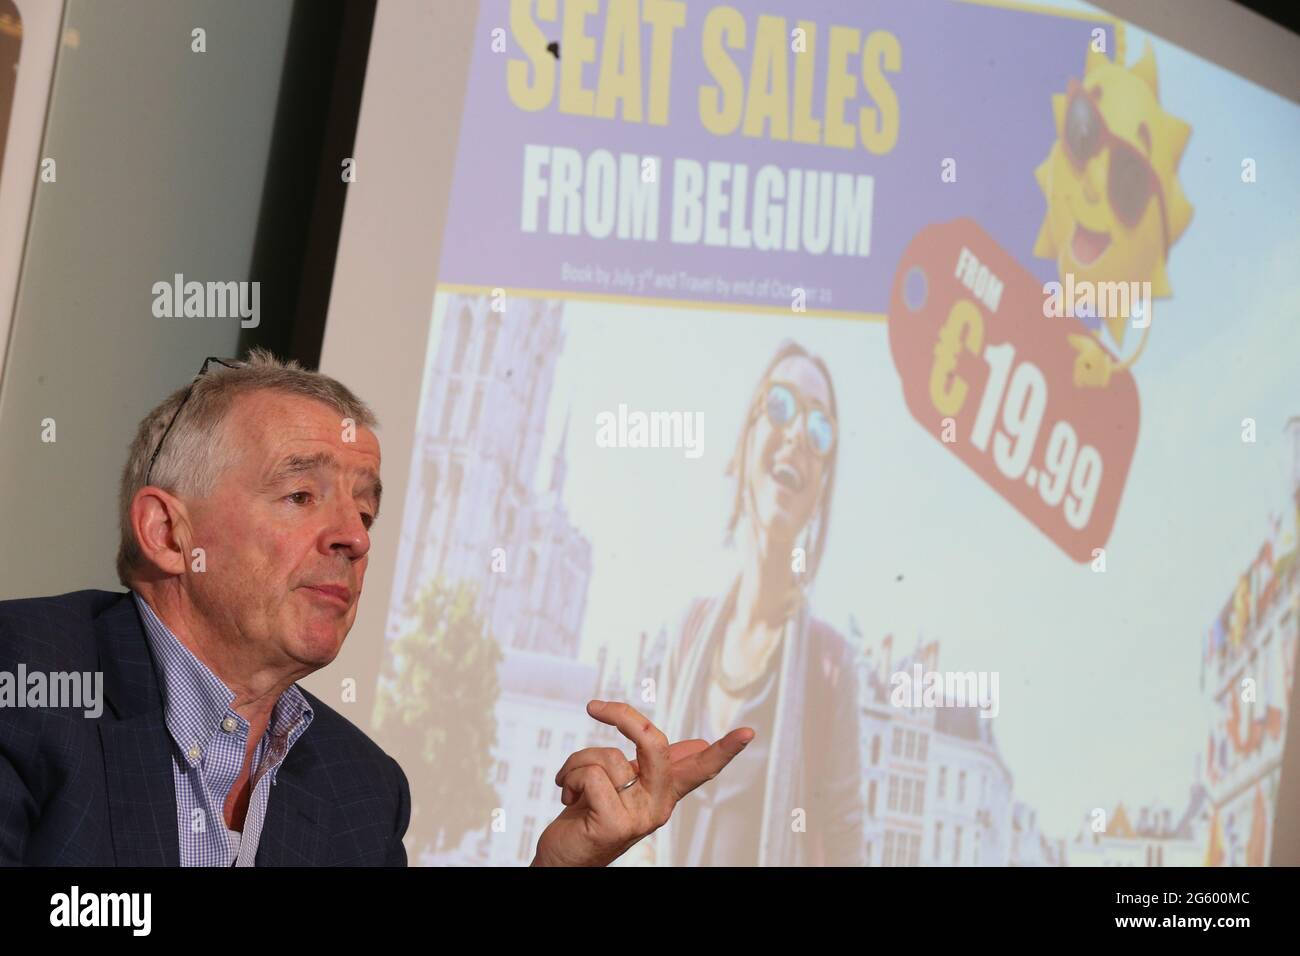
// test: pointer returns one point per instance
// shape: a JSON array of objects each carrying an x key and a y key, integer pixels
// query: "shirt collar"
[{"x": 196, "y": 701}]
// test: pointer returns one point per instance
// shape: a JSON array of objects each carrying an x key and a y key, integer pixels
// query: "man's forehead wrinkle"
[
  {"x": 299, "y": 463},
  {"x": 289, "y": 418},
  {"x": 281, "y": 434}
]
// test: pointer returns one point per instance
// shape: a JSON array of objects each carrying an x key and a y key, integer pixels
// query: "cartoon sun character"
[{"x": 1114, "y": 202}]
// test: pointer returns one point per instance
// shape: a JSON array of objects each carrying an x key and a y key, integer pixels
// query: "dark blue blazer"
[{"x": 79, "y": 791}]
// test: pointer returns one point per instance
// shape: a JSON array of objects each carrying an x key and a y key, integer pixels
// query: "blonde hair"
[
  {"x": 815, "y": 532},
  {"x": 194, "y": 454}
]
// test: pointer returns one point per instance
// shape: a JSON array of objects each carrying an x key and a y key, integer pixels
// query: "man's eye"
[
  {"x": 367, "y": 520},
  {"x": 298, "y": 494}
]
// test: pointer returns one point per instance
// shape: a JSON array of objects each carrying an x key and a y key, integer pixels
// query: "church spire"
[{"x": 560, "y": 467}]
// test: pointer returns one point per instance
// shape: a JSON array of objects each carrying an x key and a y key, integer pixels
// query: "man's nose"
[{"x": 347, "y": 532}]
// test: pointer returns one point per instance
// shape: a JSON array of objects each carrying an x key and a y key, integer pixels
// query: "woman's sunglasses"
[
  {"x": 783, "y": 402},
  {"x": 1130, "y": 178}
]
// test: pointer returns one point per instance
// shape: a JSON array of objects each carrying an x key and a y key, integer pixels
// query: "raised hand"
[{"x": 612, "y": 802}]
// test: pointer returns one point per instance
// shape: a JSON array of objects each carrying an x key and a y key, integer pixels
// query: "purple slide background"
[{"x": 975, "y": 84}]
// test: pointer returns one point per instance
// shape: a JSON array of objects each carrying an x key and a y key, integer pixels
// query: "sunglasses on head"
[
  {"x": 783, "y": 402},
  {"x": 228, "y": 363},
  {"x": 1131, "y": 180}
]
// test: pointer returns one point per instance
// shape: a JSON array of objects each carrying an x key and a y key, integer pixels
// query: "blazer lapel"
[
  {"x": 293, "y": 833},
  {"x": 136, "y": 745}
]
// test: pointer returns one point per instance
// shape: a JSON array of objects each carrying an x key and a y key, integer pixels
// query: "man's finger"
[
  {"x": 707, "y": 764},
  {"x": 594, "y": 783},
  {"x": 680, "y": 751},
  {"x": 617, "y": 764},
  {"x": 609, "y": 759},
  {"x": 651, "y": 744}
]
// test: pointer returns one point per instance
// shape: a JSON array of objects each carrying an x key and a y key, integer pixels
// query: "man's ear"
[{"x": 162, "y": 529}]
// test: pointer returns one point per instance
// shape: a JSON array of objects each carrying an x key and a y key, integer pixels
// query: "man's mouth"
[
  {"x": 1087, "y": 245},
  {"x": 332, "y": 592},
  {"x": 787, "y": 476}
]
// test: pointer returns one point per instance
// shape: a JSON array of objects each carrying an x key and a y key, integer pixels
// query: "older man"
[{"x": 246, "y": 506}]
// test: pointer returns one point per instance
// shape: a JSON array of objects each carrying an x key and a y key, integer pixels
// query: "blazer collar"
[
  {"x": 294, "y": 833},
  {"x": 136, "y": 745},
  {"x": 138, "y": 759}
]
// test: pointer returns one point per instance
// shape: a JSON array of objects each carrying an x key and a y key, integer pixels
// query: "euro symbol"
[{"x": 965, "y": 325}]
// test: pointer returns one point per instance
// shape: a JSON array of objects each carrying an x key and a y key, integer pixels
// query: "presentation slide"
[{"x": 911, "y": 381}]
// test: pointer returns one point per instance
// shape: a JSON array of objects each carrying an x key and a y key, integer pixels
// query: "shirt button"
[
  {"x": 194, "y": 752},
  {"x": 229, "y": 725}
]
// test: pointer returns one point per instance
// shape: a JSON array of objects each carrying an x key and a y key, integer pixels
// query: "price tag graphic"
[{"x": 991, "y": 377}]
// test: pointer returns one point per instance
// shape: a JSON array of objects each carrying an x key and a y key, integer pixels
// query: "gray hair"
[{"x": 194, "y": 455}]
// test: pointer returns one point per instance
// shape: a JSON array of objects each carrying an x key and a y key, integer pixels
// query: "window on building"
[
  {"x": 956, "y": 845},
  {"x": 938, "y": 840},
  {"x": 909, "y": 746},
  {"x": 543, "y": 738},
  {"x": 905, "y": 795},
  {"x": 888, "y": 859},
  {"x": 535, "y": 783},
  {"x": 918, "y": 799},
  {"x": 975, "y": 849},
  {"x": 943, "y": 780},
  {"x": 449, "y": 409},
  {"x": 922, "y": 744},
  {"x": 428, "y": 501},
  {"x": 490, "y": 344},
  {"x": 961, "y": 787},
  {"x": 475, "y": 409},
  {"x": 897, "y": 747},
  {"x": 875, "y": 750},
  {"x": 526, "y": 839},
  {"x": 453, "y": 487},
  {"x": 462, "y": 338},
  {"x": 914, "y": 849},
  {"x": 869, "y": 845},
  {"x": 892, "y": 801},
  {"x": 871, "y": 799}
]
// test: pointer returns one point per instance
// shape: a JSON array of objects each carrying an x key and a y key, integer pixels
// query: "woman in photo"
[{"x": 757, "y": 656}]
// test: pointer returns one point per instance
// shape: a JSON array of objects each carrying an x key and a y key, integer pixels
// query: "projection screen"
[{"x": 910, "y": 381}]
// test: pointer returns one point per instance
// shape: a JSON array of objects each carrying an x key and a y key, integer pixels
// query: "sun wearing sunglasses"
[
  {"x": 1131, "y": 180},
  {"x": 783, "y": 402}
]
